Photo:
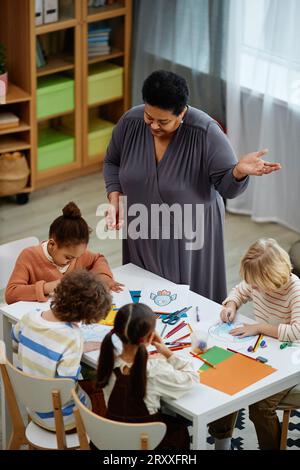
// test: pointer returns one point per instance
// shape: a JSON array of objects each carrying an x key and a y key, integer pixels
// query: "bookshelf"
[
  {"x": 64, "y": 45},
  {"x": 117, "y": 18}
]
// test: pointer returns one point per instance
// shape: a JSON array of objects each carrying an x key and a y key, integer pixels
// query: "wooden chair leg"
[
  {"x": 285, "y": 428},
  {"x": 17, "y": 439},
  {"x": 84, "y": 444},
  {"x": 144, "y": 442}
]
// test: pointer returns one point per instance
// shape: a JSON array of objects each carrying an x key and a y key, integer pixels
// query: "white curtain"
[{"x": 263, "y": 103}]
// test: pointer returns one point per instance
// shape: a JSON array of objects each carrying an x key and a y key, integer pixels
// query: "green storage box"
[
  {"x": 54, "y": 95},
  {"x": 99, "y": 136},
  {"x": 105, "y": 82},
  {"x": 54, "y": 149}
]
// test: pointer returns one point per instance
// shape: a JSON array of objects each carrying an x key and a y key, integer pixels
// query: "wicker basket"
[{"x": 14, "y": 172}]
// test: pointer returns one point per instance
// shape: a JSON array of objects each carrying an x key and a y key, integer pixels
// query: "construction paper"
[
  {"x": 235, "y": 373},
  {"x": 110, "y": 317},
  {"x": 135, "y": 296},
  {"x": 215, "y": 355}
]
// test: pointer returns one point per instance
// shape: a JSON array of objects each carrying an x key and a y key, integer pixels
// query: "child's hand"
[
  {"x": 50, "y": 286},
  {"x": 246, "y": 330},
  {"x": 115, "y": 286},
  {"x": 91, "y": 346},
  {"x": 161, "y": 348},
  {"x": 228, "y": 312}
]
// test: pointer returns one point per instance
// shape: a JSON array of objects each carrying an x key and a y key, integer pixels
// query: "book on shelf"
[
  {"x": 8, "y": 120},
  {"x": 97, "y": 40},
  {"x": 101, "y": 52},
  {"x": 96, "y": 3},
  {"x": 40, "y": 58}
]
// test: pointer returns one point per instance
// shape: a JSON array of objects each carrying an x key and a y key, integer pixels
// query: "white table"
[{"x": 202, "y": 404}]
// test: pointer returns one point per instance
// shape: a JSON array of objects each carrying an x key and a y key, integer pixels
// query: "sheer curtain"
[
  {"x": 187, "y": 37},
  {"x": 263, "y": 103}
]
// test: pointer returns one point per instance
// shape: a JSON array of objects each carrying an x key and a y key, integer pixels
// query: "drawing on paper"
[
  {"x": 163, "y": 297},
  {"x": 94, "y": 332},
  {"x": 221, "y": 331}
]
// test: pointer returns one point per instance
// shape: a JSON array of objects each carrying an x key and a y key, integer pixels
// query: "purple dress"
[{"x": 196, "y": 169}]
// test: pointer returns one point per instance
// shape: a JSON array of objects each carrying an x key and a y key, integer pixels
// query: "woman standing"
[{"x": 164, "y": 153}]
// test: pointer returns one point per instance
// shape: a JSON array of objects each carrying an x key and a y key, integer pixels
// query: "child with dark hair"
[
  {"x": 133, "y": 382},
  {"x": 39, "y": 269},
  {"x": 50, "y": 343}
]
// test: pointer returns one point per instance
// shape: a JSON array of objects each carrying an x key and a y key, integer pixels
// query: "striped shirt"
[
  {"x": 50, "y": 349},
  {"x": 280, "y": 308}
]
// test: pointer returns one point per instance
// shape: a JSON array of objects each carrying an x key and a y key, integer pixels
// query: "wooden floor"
[{"x": 88, "y": 192}]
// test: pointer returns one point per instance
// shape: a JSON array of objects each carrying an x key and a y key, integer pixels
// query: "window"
[{"x": 270, "y": 56}]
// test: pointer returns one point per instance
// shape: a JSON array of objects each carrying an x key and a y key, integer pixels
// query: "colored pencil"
[
  {"x": 177, "y": 328},
  {"x": 177, "y": 343},
  {"x": 259, "y": 339},
  {"x": 177, "y": 348},
  {"x": 183, "y": 337},
  {"x": 163, "y": 330},
  {"x": 203, "y": 360},
  {"x": 245, "y": 355},
  {"x": 190, "y": 328}
]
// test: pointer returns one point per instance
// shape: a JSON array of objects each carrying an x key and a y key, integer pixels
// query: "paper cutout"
[
  {"x": 162, "y": 297},
  {"x": 215, "y": 355},
  {"x": 110, "y": 317},
  {"x": 135, "y": 296},
  {"x": 235, "y": 373},
  {"x": 221, "y": 331},
  {"x": 165, "y": 298}
]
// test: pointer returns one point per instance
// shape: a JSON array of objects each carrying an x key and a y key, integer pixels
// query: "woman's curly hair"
[{"x": 81, "y": 296}]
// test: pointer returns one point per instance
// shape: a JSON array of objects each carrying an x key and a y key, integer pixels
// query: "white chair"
[
  {"x": 113, "y": 435},
  {"x": 37, "y": 394},
  {"x": 9, "y": 253}
]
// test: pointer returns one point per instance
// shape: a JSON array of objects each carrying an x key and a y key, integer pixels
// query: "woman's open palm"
[{"x": 252, "y": 164}]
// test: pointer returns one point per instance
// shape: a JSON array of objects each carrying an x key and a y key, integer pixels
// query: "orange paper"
[{"x": 235, "y": 373}]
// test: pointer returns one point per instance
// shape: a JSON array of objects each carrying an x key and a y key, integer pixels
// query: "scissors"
[{"x": 173, "y": 318}]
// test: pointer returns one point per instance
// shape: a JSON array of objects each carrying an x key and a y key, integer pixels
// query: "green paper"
[{"x": 215, "y": 355}]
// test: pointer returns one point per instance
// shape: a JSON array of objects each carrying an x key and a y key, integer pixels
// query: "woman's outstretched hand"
[{"x": 253, "y": 165}]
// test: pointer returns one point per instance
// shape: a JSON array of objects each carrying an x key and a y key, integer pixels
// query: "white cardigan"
[{"x": 166, "y": 378}]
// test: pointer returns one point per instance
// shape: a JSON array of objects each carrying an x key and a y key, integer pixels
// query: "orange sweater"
[{"x": 33, "y": 270}]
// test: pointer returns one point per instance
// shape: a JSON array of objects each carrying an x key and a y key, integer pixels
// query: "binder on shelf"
[
  {"x": 50, "y": 11},
  {"x": 38, "y": 12}
]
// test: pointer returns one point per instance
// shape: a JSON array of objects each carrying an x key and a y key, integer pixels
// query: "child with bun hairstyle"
[
  {"x": 50, "y": 343},
  {"x": 133, "y": 382},
  {"x": 39, "y": 269}
]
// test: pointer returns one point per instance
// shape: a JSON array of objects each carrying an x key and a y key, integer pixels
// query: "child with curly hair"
[{"x": 50, "y": 343}]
